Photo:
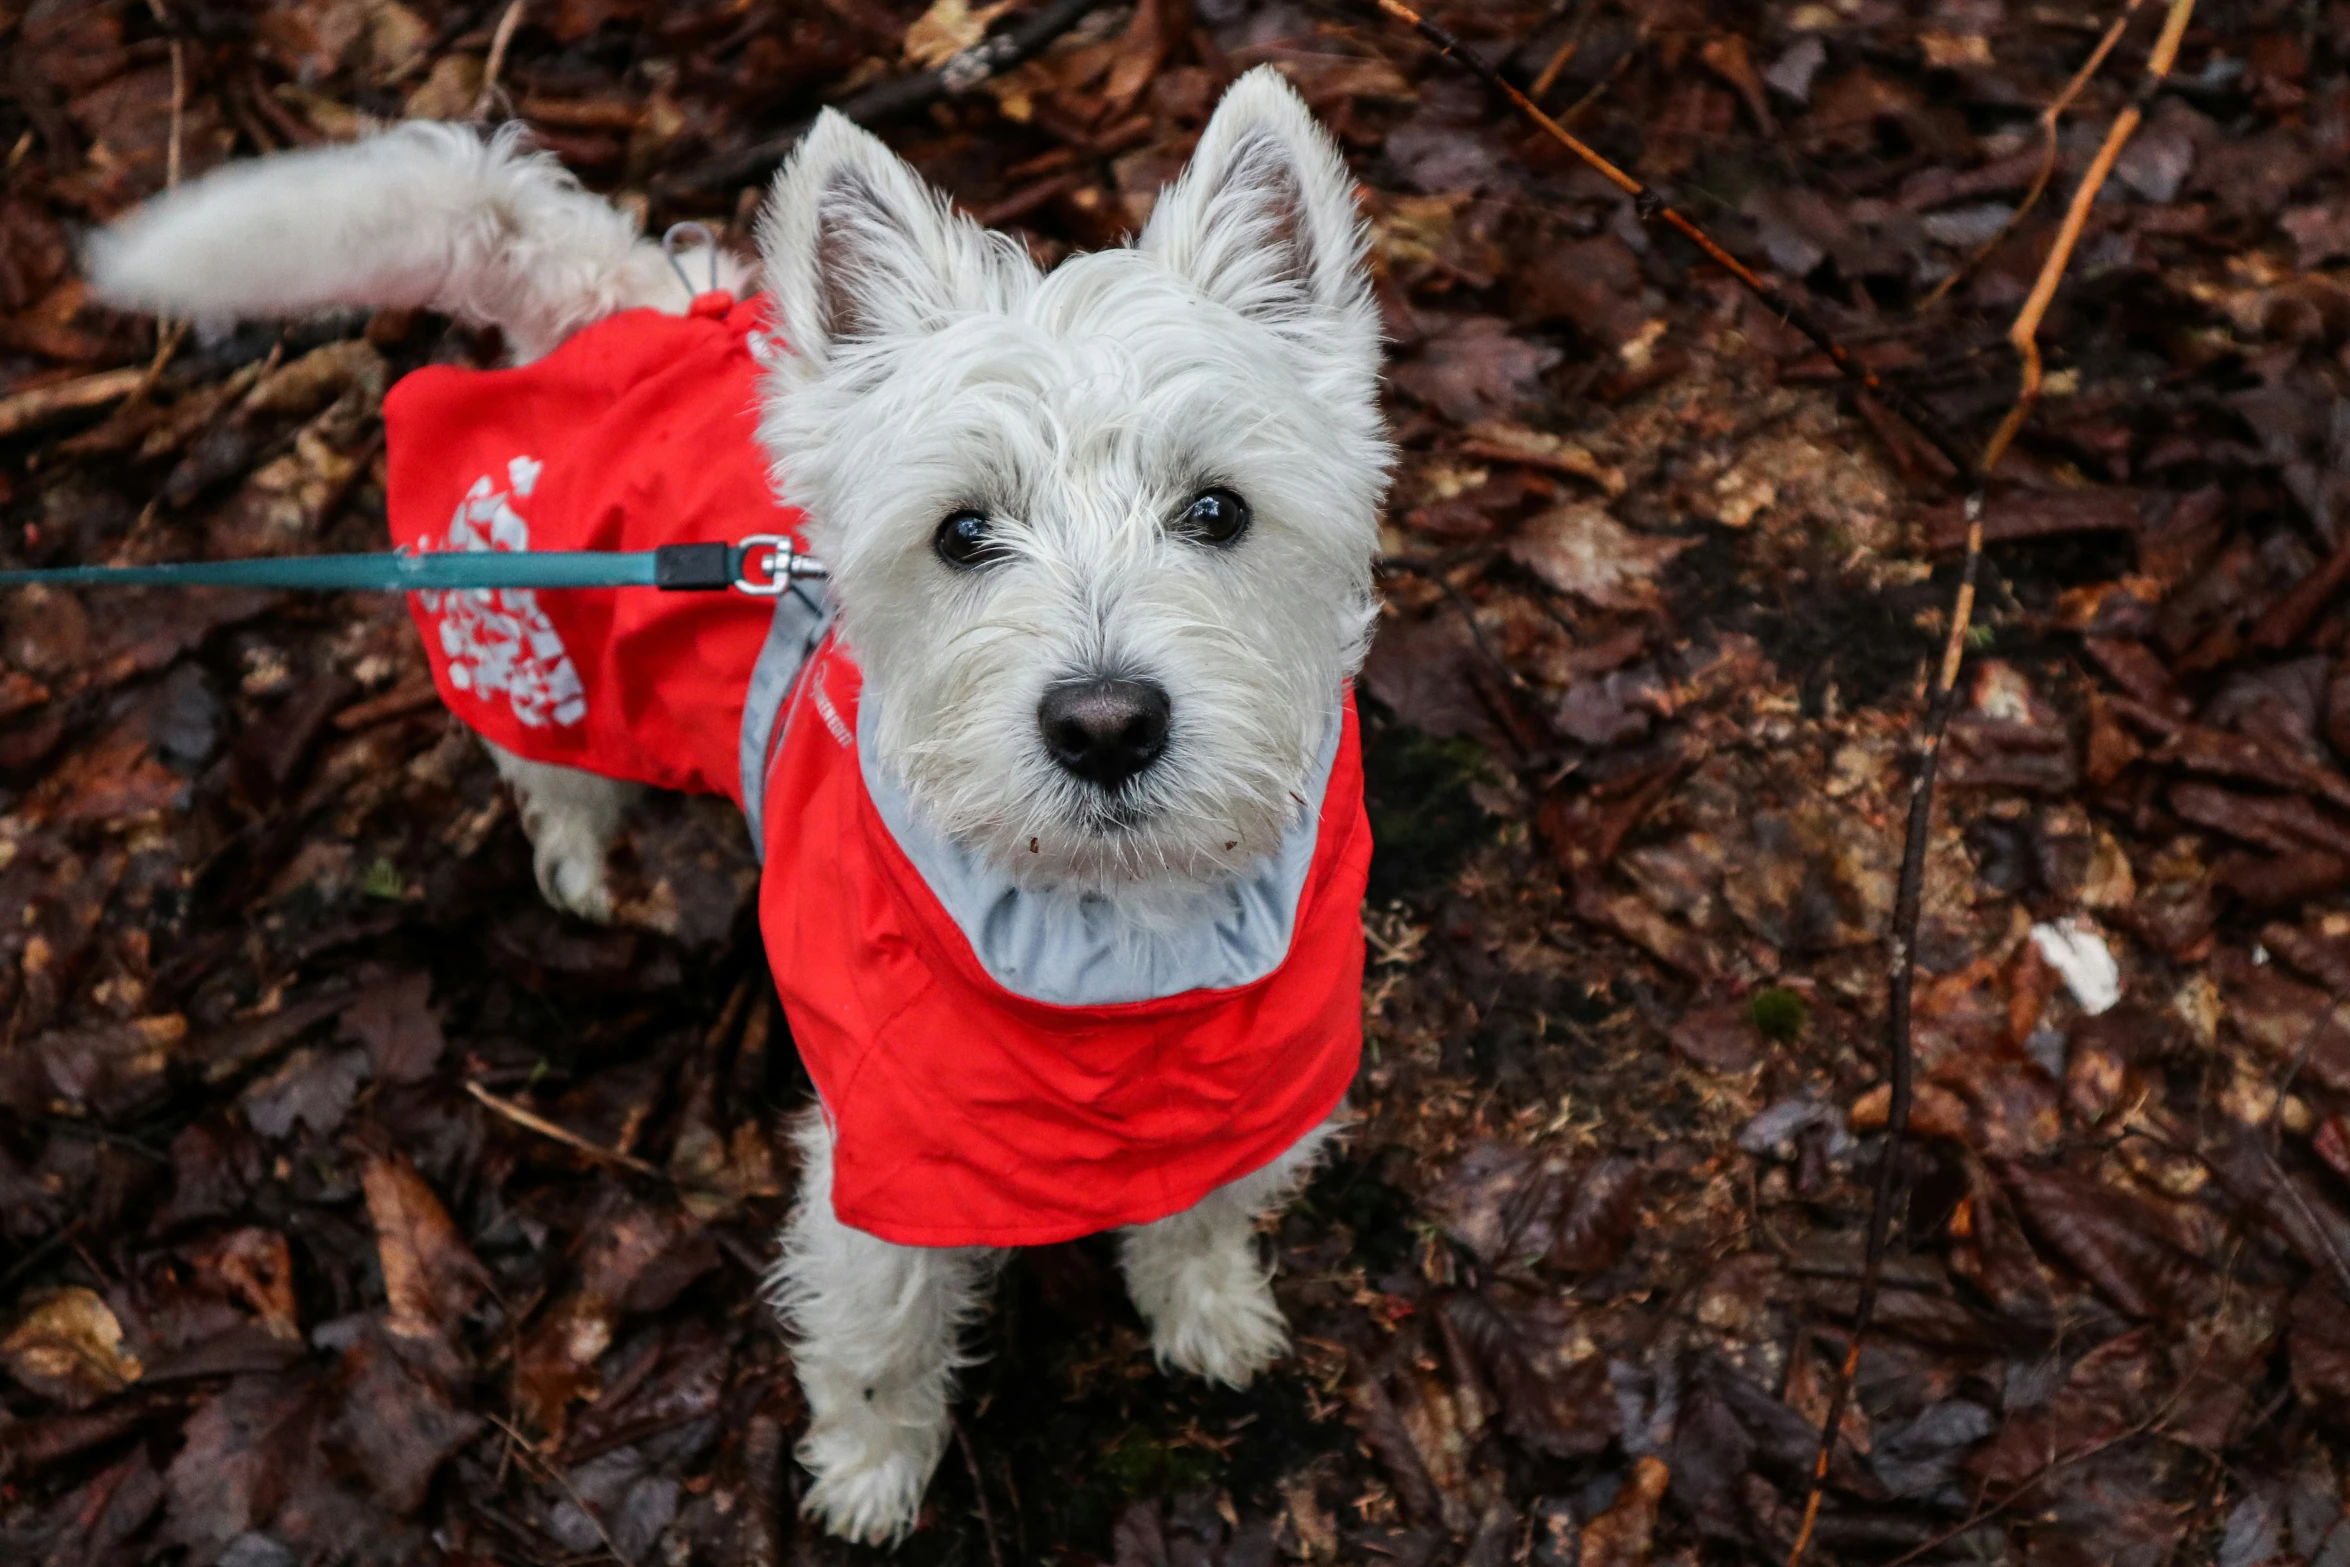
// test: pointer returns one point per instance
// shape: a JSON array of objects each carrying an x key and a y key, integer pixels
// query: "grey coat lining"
[
  {"x": 1062, "y": 949},
  {"x": 1071, "y": 950}
]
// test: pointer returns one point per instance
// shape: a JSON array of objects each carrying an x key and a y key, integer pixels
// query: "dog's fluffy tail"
[{"x": 426, "y": 215}]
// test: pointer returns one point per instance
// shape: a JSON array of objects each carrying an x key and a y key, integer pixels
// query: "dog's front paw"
[
  {"x": 870, "y": 1476},
  {"x": 570, "y": 868},
  {"x": 1219, "y": 1321}
]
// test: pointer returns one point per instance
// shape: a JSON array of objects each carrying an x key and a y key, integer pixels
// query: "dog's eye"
[
  {"x": 1217, "y": 516},
  {"x": 965, "y": 541}
]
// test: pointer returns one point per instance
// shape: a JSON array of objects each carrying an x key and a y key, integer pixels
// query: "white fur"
[
  {"x": 878, "y": 1329},
  {"x": 424, "y": 216},
  {"x": 1197, "y": 1279},
  {"x": 571, "y": 817},
  {"x": 933, "y": 367},
  {"x": 878, "y": 1336}
]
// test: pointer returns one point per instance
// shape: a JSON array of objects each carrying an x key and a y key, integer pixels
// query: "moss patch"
[
  {"x": 1424, "y": 820},
  {"x": 1779, "y": 1013}
]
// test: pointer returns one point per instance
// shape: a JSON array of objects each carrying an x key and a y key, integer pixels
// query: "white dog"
[{"x": 1100, "y": 544}]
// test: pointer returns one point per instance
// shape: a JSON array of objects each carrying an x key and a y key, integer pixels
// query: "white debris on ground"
[{"x": 2076, "y": 948}]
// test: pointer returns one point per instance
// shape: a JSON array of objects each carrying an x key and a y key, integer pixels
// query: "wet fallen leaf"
[
  {"x": 1623, "y": 1536},
  {"x": 431, "y": 1279},
  {"x": 1580, "y": 549},
  {"x": 2117, "y": 1241},
  {"x": 67, "y": 1346},
  {"x": 1475, "y": 369}
]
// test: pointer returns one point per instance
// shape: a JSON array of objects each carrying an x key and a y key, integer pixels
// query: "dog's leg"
[
  {"x": 1199, "y": 1282},
  {"x": 571, "y": 817},
  {"x": 877, "y": 1334}
]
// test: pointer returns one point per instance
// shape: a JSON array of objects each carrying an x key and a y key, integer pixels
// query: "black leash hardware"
[{"x": 695, "y": 568}]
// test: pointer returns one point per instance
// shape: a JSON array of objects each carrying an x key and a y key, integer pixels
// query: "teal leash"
[{"x": 764, "y": 565}]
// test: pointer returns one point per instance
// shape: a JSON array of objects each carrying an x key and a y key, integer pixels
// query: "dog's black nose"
[{"x": 1104, "y": 731}]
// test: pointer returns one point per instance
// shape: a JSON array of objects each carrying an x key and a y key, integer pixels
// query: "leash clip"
[
  {"x": 678, "y": 231},
  {"x": 767, "y": 564}
]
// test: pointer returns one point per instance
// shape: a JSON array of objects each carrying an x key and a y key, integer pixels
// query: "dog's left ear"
[{"x": 1264, "y": 221}]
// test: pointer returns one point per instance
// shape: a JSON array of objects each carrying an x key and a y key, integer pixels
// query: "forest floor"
[{"x": 356, "y": 1208}]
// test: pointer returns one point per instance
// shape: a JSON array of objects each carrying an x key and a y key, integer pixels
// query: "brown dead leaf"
[
  {"x": 2318, "y": 1336},
  {"x": 1624, "y": 1535},
  {"x": 1593, "y": 284},
  {"x": 947, "y": 29},
  {"x": 2122, "y": 1244},
  {"x": 399, "y": 1028},
  {"x": 1934, "y": 1111},
  {"x": 1474, "y": 368},
  {"x": 1382, "y": 1429},
  {"x": 67, "y": 1346},
  {"x": 431, "y": 1280},
  {"x": 395, "y": 1423},
  {"x": 238, "y": 1462},
  {"x": 637, "y": 1260},
  {"x": 1579, "y": 549},
  {"x": 257, "y": 1268},
  {"x": 1721, "y": 1039},
  {"x": 1599, "y": 1218},
  {"x": 117, "y": 778},
  {"x": 2107, "y": 1391},
  {"x": 1549, "y": 1402},
  {"x": 1493, "y": 1196}
]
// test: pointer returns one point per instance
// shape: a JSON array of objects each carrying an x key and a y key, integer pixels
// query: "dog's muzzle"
[{"x": 1105, "y": 731}]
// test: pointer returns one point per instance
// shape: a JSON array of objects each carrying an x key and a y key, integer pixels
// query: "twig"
[
  {"x": 57, "y": 1240},
  {"x": 554, "y": 1471},
  {"x": 500, "y": 42},
  {"x": 2025, "y": 334},
  {"x": 1548, "y": 76},
  {"x": 1901, "y": 976},
  {"x": 569, "y": 1139},
  {"x": 1431, "y": 572},
  {"x": 166, "y": 341},
  {"x": 2049, "y": 117},
  {"x": 995, "y": 1555},
  {"x": 24, "y": 410},
  {"x": 1558, "y": 62},
  {"x": 988, "y": 58},
  {"x": 1652, "y": 207}
]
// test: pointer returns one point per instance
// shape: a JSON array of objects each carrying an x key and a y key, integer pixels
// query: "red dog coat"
[{"x": 998, "y": 1069}]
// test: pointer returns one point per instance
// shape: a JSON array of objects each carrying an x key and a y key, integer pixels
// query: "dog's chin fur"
[{"x": 932, "y": 367}]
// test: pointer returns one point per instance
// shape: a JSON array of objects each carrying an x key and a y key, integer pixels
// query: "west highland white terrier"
[{"x": 1056, "y": 786}]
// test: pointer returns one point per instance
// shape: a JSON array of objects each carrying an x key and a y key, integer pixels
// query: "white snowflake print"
[{"x": 499, "y": 639}]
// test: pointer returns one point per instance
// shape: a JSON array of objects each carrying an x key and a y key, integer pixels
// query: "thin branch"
[
  {"x": 1653, "y": 208},
  {"x": 2025, "y": 334},
  {"x": 2049, "y": 117},
  {"x": 995, "y": 1554},
  {"x": 553, "y": 1470},
  {"x": 500, "y": 42},
  {"x": 23, "y": 411},
  {"x": 569, "y": 1139},
  {"x": 1901, "y": 976},
  {"x": 988, "y": 58}
]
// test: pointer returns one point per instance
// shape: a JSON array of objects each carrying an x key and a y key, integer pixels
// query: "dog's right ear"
[
  {"x": 858, "y": 248},
  {"x": 1265, "y": 221}
]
